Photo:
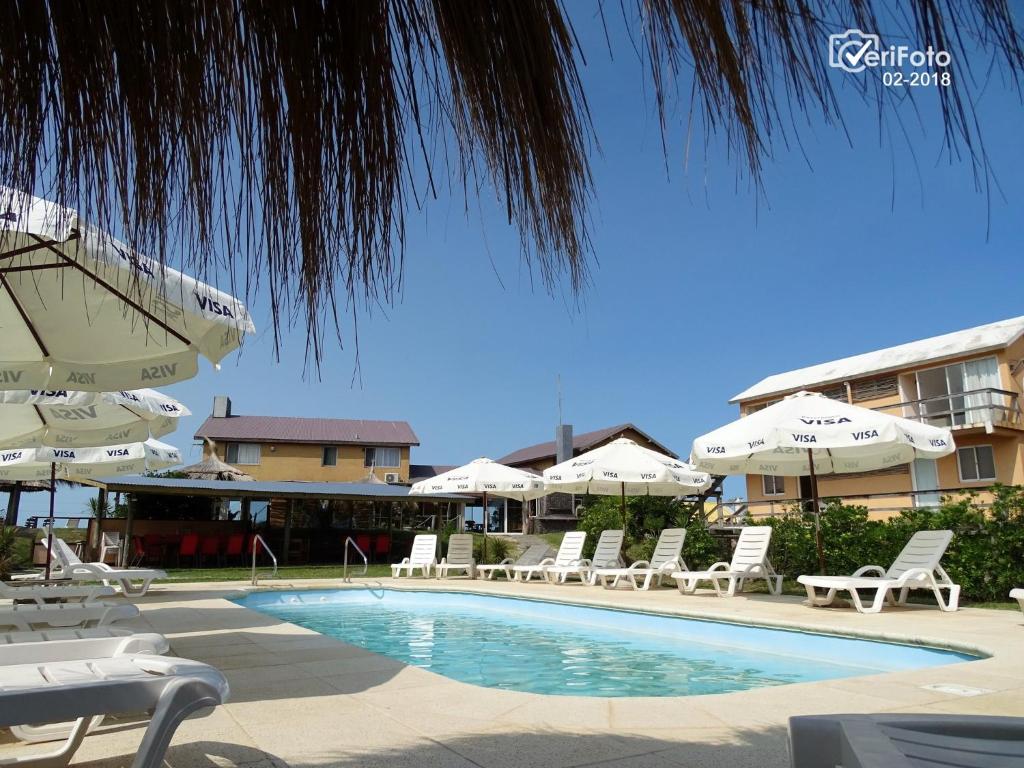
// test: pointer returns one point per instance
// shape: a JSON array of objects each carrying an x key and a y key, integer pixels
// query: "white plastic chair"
[
  {"x": 422, "y": 557},
  {"x": 1018, "y": 595},
  {"x": 749, "y": 561},
  {"x": 459, "y": 557},
  {"x": 110, "y": 544},
  {"x": 530, "y": 558},
  {"x": 70, "y": 566},
  {"x": 916, "y": 567},
  {"x": 570, "y": 552},
  {"x": 81, "y": 690},
  {"x": 667, "y": 558},
  {"x": 606, "y": 555}
]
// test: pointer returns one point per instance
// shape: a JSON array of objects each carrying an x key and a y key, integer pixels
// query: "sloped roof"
[
  {"x": 288, "y": 429},
  {"x": 980, "y": 339},
  {"x": 581, "y": 442}
]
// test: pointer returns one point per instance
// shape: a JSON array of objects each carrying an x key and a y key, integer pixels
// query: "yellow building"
[
  {"x": 969, "y": 381},
  {"x": 309, "y": 449}
]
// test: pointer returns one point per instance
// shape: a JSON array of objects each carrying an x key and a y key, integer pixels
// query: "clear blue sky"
[{"x": 700, "y": 286}]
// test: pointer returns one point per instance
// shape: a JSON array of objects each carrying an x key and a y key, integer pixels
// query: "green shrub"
[{"x": 10, "y": 557}]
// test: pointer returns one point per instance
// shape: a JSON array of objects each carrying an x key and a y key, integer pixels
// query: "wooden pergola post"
[{"x": 288, "y": 514}]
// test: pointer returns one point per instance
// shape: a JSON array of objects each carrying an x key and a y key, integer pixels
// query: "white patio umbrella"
[
  {"x": 78, "y": 464},
  {"x": 485, "y": 477},
  {"x": 81, "y": 310},
  {"x": 810, "y": 434},
  {"x": 64, "y": 421},
  {"x": 624, "y": 468}
]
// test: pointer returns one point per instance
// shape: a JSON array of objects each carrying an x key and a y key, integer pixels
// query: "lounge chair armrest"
[
  {"x": 864, "y": 570},
  {"x": 916, "y": 574},
  {"x": 584, "y": 563},
  {"x": 507, "y": 561},
  {"x": 640, "y": 565},
  {"x": 719, "y": 566},
  {"x": 545, "y": 561}
]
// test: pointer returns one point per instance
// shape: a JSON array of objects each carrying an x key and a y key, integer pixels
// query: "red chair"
[
  {"x": 189, "y": 547},
  {"x": 382, "y": 547},
  {"x": 363, "y": 541},
  {"x": 233, "y": 550},
  {"x": 209, "y": 547}
]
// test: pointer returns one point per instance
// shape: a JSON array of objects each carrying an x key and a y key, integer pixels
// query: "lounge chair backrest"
[
  {"x": 61, "y": 554},
  {"x": 460, "y": 548},
  {"x": 424, "y": 549},
  {"x": 924, "y": 550},
  {"x": 752, "y": 548},
  {"x": 571, "y": 548},
  {"x": 609, "y": 545},
  {"x": 669, "y": 547},
  {"x": 533, "y": 555}
]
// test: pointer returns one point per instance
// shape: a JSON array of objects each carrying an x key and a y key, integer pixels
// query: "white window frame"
[
  {"x": 977, "y": 464},
  {"x": 950, "y": 395},
  {"x": 367, "y": 464},
  {"x": 323, "y": 455},
  {"x": 238, "y": 454},
  {"x": 764, "y": 487}
]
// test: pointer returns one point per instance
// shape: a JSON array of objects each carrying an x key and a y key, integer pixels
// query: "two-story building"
[
  {"x": 309, "y": 449},
  {"x": 970, "y": 381}
]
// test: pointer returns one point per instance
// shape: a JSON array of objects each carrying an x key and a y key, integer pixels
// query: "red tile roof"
[
  {"x": 287, "y": 429},
  {"x": 581, "y": 442}
]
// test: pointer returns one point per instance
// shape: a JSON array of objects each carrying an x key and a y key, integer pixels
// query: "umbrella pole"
[
  {"x": 483, "y": 545},
  {"x": 49, "y": 523},
  {"x": 624, "y": 525},
  {"x": 818, "y": 543}
]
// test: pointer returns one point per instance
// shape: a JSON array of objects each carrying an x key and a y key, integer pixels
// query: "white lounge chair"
[
  {"x": 531, "y": 557},
  {"x": 667, "y": 559},
  {"x": 30, "y": 617},
  {"x": 81, "y": 690},
  {"x": 906, "y": 741},
  {"x": 749, "y": 561},
  {"x": 42, "y": 647},
  {"x": 570, "y": 552},
  {"x": 72, "y": 633},
  {"x": 44, "y": 593},
  {"x": 606, "y": 555},
  {"x": 459, "y": 557},
  {"x": 916, "y": 567},
  {"x": 71, "y": 567},
  {"x": 423, "y": 557}
]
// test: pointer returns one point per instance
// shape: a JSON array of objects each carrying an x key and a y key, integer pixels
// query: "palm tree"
[{"x": 289, "y": 138}]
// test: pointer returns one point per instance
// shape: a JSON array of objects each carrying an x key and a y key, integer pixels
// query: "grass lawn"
[{"x": 284, "y": 573}]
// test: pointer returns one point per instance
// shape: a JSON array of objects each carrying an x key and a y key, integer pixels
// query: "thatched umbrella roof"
[
  {"x": 293, "y": 138},
  {"x": 212, "y": 468},
  {"x": 25, "y": 486}
]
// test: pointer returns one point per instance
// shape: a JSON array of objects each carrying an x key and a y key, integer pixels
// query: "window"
[
  {"x": 243, "y": 453},
  {"x": 381, "y": 456},
  {"x": 976, "y": 463},
  {"x": 773, "y": 485},
  {"x": 329, "y": 457},
  {"x": 956, "y": 395}
]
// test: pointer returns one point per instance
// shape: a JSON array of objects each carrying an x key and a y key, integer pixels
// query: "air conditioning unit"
[{"x": 392, "y": 477}]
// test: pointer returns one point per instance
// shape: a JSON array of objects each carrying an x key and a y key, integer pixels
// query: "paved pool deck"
[{"x": 302, "y": 699}]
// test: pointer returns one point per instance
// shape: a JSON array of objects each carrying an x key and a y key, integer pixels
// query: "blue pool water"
[{"x": 553, "y": 648}]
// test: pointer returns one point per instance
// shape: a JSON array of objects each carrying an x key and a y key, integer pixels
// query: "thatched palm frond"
[{"x": 290, "y": 139}]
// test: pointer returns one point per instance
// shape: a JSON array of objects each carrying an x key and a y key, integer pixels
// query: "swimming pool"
[{"x": 554, "y": 648}]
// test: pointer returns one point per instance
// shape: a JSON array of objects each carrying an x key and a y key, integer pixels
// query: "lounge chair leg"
[
  {"x": 181, "y": 698},
  {"x": 58, "y": 757}
]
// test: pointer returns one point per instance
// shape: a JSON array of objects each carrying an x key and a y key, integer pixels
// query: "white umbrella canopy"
[
  {"x": 79, "y": 464},
  {"x": 486, "y": 477},
  {"x": 71, "y": 419},
  {"x": 810, "y": 434},
  {"x": 483, "y": 476},
  {"x": 624, "y": 468},
  {"x": 782, "y": 438},
  {"x": 79, "y": 309}
]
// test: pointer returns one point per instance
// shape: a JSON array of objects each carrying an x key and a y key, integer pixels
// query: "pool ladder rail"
[
  {"x": 258, "y": 542},
  {"x": 349, "y": 542}
]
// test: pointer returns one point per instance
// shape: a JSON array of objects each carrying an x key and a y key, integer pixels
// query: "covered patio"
[{"x": 173, "y": 522}]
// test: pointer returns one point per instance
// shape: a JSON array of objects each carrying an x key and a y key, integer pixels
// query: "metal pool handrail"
[
  {"x": 259, "y": 540},
  {"x": 344, "y": 568}
]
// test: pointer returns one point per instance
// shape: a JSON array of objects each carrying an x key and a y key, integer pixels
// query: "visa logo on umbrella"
[{"x": 824, "y": 420}]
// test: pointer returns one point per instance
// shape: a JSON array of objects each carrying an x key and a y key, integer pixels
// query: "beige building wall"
[
  {"x": 1007, "y": 441},
  {"x": 304, "y": 462}
]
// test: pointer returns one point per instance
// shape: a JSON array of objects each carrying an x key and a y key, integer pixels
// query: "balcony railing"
[{"x": 988, "y": 408}]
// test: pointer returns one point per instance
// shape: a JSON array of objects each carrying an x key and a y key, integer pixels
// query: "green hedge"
[{"x": 986, "y": 556}]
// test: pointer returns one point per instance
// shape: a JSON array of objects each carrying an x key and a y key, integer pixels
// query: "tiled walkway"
[{"x": 301, "y": 699}]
